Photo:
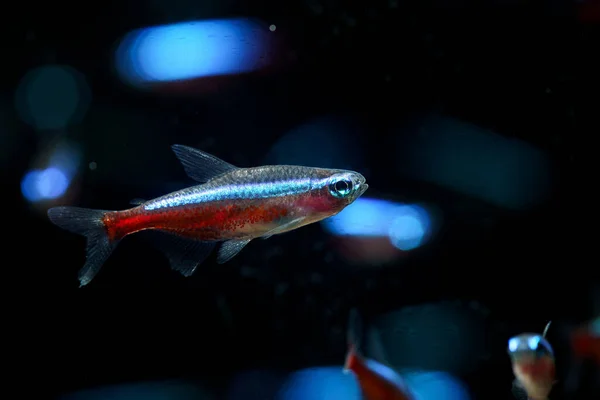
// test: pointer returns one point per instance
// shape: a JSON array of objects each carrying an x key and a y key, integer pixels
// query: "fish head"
[
  {"x": 343, "y": 187},
  {"x": 528, "y": 348},
  {"x": 535, "y": 375},
  {"x": 330, "y": 192}
]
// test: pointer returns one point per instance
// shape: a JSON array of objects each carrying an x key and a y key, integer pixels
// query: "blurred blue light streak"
[
  {"x": 435, "y": 385},
  {"x": 320, "y": 383},
  {"x": 406, "y": 225},
  {"x": 192, "y": 50},
  {"x": 323, "y": 383},
  {"x": 466, "y": 158},
  {"x": 387, "y": 372}
]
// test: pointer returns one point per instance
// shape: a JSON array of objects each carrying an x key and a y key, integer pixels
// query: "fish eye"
[
  {"x": 533, "y": 342},
  {"x": 341, "y": 187},
  {"x": 513, "y": 345}
]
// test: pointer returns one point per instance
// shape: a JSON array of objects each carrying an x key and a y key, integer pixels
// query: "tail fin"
[
  {"x": 88, "y": 223},
  {"x": 353, "y": 337}
]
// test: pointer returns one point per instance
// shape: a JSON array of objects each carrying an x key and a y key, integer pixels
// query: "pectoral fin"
[{"x": 282, "y": 228}]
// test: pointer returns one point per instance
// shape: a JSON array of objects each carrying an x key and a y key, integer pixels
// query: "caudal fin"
[{"x": 88, "y": 223}]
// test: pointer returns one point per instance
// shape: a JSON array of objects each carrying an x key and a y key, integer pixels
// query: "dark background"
[{"x": 524, "y": 69}]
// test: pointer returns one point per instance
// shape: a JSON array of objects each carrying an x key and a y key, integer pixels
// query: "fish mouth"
[{"x": 363, "y": 188}]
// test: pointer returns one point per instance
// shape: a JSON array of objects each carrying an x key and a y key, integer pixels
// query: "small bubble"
[
  {"x": 272, "y": 28},
  {"x": 93, "y": 165}
]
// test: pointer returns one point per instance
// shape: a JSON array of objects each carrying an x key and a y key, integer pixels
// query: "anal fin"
[
  {"x": 184, "y": 254},
  {"x": 230, "y": 249}
]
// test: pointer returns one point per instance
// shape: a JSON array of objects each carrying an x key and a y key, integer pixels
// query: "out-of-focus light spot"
[
  {"x": 326, "y": 383},
  {"x": 192, "y": 50},
  {"x": 66, "y": 157},
  {"x": 513, "y": 344},
  {"x": 387, "y": 372},
  {"x": 435, "y": 337},
  {"x": 407, "y": 231},
  {"x": 93, "y": 165},
  {"x": 50, "y": 183},
  {"x": 53, "y": 96},
  {"x": 144, "y": 391},
  {"x": 338, "y": 145},
  {"x": 506, "y": 172},
  {"x": 595, "y": 326},
  {"x": 321, "y": 383},
  {"x": 9, "y": 137},
  {"x": 433, "y": 385},
  {"x": 406, "y": 226},
  {"x": 272, "y": 28}
]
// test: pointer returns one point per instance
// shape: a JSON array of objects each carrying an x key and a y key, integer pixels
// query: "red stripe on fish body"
[{"x": 222, "y": 220}]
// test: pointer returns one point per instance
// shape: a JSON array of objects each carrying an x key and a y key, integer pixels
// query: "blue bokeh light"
[
  {"x": 297, "y": 147},
  {"x": 407, "y": 226},
  {"x": 52, "y": 182},
  {"x": 435, "y": 385},
  {"x": 323, "y": 383},
  {"x": 52, "y": 97},
  {"x": 191, "y": 50},
  {"x": 320, "y": 383},
  {"x": 46, "y": 184}
]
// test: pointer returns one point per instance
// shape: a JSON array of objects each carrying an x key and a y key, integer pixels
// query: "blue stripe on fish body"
[{"x": 210, "y": 193}]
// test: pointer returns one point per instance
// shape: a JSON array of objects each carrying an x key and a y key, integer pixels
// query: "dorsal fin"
[
  {"x": 546, "y": 329},
  {"x": 200, "y": 166},
  {"x": 137, "y": 202}
]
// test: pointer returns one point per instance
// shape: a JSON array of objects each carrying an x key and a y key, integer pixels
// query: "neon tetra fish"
[
  {"x": 533, "y": 365},
  {"x": 373, "y": 384},
  {"x": 231, "y": 205}
]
